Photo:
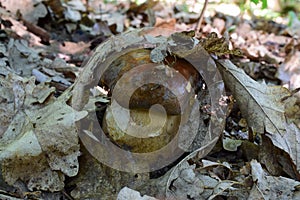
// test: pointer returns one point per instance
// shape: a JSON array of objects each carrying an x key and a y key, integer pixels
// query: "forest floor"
[{"x": 45, "y": 66}]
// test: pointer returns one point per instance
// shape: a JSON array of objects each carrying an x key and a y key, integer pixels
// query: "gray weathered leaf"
[
  {"x": 270, "y": 187},
  {"x": 263, "y": 107}
]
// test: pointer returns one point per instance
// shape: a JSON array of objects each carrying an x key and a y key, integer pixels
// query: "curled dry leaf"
[
  {"x": 263, "y": 108},
  {"x": 131, "y": 41}
]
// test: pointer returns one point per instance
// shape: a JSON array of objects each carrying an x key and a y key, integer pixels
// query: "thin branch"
[{"x": 198, "y": 27}]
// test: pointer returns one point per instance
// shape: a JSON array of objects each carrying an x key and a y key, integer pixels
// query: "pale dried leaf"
[
  {"x": 128, "y": 194},
  {"x": 221, "y": 188},
  {"x": 25, "y": 146},
  {"x": 115, "y": 18},
  {"x": 30, "y": 10},
  {"x": 55, "y": 135},
  {"x": 231, "y": 144},
  {"x": 183, "y": 182},
  {"x": 292, "y": 138},
  {"x": 55, "y": 126},
  {"x": 77, "y": 5},
  {"x": 13, "y": 91},
  {"x": 270, "y": 187},
  {"x": 289, "y": 71},
  {"x": 23, "y": 59},
  {"x": 72, "y": 15},
  {"x": 34, "y": 171},
  {"x": 202, "y": 183},
  {"x": 22, "y": 31},
  {"x": 37, "y": 131}
]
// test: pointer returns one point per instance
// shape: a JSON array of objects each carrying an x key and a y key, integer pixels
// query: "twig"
[
  {"x": 35, "y": 29},
  {"x": 67, "y": 195},
  {"x": 201, "y": 17},
  {"x": 291, "y": 94}
]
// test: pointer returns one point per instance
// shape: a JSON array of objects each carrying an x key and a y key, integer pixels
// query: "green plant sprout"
[{"x": 264, "y": 3}]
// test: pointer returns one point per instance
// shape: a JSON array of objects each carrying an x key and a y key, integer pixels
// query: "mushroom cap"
[{"x": 135, "y": 82}]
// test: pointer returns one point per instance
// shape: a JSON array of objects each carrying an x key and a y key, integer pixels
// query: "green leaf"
[
  {"x": 292, "y": 17},
  {"x": 264, "y": 4},
  {"x": 255, "y": 1}
]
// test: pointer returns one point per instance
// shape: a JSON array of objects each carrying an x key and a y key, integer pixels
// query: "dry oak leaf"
[{"x": 263, "y": 108}]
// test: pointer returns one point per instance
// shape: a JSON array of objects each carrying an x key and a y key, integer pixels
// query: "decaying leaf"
[
  {"x": 40, "y": 135},
  {"x": 276, "y": 160},
  {"x": 207, "y": 182},
  {"x": 127, "y": 193},
  {"x": 218, "y": 46},
  {"x": 31, "y": 10},
  {"x": 270, "y": 187},
  {"x": 230, "y": 144},
  {"x": 289, "y": 71},
  {"x": 292, "y": 138},
  {"x": 21, "y": 55},
  {"x": 115, "y": 19},
  {"x": 263, "y": 108},
  {"x": 266, "y": 108},
  {"x": 184, "y": 183}
]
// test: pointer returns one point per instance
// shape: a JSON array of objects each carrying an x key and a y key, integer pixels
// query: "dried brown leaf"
[
  {"x": 263, "y": 108},
  {"x": 270, "y": 187},
  {"x": 260, "y": 104}
]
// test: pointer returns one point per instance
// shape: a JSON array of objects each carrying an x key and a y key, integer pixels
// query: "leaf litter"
[{"x": 38, "y": 126}]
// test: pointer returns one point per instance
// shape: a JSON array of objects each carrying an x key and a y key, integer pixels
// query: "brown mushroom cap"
[{"x": 142, "y": 83}]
